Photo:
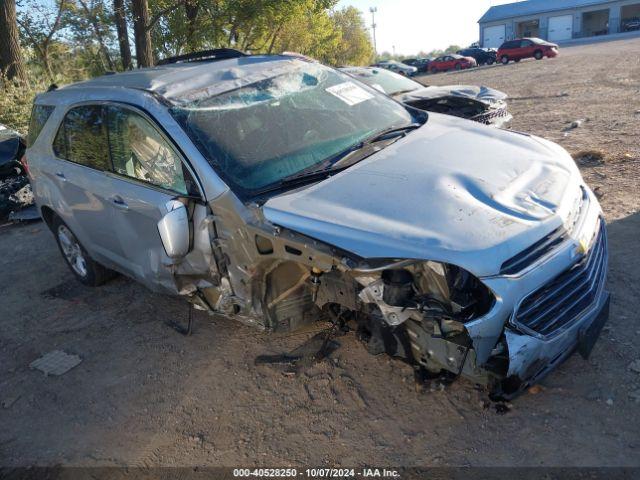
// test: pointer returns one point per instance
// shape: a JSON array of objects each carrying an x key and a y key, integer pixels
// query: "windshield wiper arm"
[
  {"x": 390, "y": 132},
  {"x": 330, "y": 165}
]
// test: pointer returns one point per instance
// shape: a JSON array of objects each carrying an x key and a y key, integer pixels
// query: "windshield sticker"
[{"x": 350, "y": 93}]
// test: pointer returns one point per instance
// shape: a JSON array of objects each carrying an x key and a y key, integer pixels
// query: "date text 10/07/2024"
[{"x": 315, "y": 473}]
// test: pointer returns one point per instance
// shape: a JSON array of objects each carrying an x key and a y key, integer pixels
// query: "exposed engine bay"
[{"x": 412, "y": 310}]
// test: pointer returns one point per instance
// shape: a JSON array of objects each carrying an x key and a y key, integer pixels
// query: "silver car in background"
[
  {"x": 478, "y": 103},
  {"x": 282, "y": 192}
]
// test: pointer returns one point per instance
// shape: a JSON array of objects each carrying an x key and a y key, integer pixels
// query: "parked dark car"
[
  {"x": 631, "y": 25},
  {"x": 480, "y": 104},
  {"x": 15, "y": 190},
  {"x": 451, "y": 62},
  {"x": 521, "y": 48},
  {"x": 12, "y": 148},
  {"x": 422, "y": 64},
  {"x": 484, "y": 56}
]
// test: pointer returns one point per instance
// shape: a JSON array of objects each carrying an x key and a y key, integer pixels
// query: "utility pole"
[{"x": 373, "y": 11}]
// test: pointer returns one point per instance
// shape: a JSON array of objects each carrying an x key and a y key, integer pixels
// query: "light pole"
[{"x": 373, "y": 11}]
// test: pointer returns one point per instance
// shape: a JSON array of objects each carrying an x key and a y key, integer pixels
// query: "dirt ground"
[{"x": 145, "y": 395}]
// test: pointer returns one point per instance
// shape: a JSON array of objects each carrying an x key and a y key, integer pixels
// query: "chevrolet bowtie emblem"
[{"x": 582, "y": 247}]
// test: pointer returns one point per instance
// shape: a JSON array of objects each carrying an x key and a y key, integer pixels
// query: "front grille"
[
  {"x": 491, "y": 115},
  {"x": 562, "y": 300}
]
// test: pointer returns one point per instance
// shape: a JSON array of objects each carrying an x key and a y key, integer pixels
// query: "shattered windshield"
[
  {"x": 272, "y": 129},
  {"x": 390, "y": 82}
]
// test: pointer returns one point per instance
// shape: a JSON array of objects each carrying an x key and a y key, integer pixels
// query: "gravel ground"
[{"x": 145, "y": 395}]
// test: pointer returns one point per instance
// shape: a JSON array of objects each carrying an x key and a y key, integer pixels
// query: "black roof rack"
[{"x": 204, "y": 56}]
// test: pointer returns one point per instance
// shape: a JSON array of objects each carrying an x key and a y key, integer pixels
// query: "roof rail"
[{"x": 203, "y": 56}]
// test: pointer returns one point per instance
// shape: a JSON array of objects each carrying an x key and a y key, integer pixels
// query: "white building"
[{"x": 557, "y": 20}]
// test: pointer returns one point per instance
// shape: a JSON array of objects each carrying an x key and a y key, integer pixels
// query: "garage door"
[
  {"x": 493, "y": 37},
  {"x": 560, "y": 28}
]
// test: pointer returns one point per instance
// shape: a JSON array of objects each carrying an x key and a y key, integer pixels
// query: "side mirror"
[{"x": 174, "y": 230}]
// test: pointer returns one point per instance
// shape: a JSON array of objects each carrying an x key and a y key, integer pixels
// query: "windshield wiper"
[
  {"x": 330, "y": 166},
  {"x": 390, "y": 132}
]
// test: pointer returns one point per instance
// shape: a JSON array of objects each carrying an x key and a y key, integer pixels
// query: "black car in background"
[
  {"x": 484, "y": 56},
  {"x": 422, "y": 64}
]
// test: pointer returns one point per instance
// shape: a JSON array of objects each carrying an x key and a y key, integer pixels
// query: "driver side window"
[{"x": 139, "y": 151}]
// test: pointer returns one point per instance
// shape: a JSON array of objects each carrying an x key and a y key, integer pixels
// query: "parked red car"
[
  {"x": 451, "y": 62},
  {"x": 521, "y": 48}
]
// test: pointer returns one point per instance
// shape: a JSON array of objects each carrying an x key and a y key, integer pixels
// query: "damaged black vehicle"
[
  {"x": 480, "y": 104},
  {"x": 15, "y": 191}
]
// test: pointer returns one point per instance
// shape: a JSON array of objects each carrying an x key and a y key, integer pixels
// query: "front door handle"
[
  {"x": 119, "y": 203},
  {"x": 61, "y": 176}
]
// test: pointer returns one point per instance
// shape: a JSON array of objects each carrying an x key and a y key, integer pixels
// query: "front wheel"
[
  {"x": 458, "y": 66},
  {"x": 517, "y": 60},
  {"x": 538, "y": 55},
  {"x": 504, "y": 59},
  {"x": 84, "y": 268}
]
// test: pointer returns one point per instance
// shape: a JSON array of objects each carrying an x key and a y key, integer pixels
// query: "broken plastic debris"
[{"x": 56, "y": 362}]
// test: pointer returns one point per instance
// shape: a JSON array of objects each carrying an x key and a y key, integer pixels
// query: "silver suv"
[{"x": 283, "y": 192}]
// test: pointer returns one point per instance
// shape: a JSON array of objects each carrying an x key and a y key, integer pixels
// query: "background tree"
[
  {"x": 11, "y": 64},
  {"x": 144, "y": 48},
  {"x": 40, "y": 25},
  {"x": 120, "y": 19}
]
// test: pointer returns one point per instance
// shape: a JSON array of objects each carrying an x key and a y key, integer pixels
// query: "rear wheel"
[
  {"x": 538, "y": 55},
  {"x": 491, "y": 61},
  {"x": 86, "y": 270},
  {"x": 504, "y": 59}
]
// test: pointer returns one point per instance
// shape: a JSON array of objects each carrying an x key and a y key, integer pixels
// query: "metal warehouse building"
[{"x": 556, "y": 20}]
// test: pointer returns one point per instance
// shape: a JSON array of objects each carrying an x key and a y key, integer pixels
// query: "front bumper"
[
  {"x": 531, "y": 358},
  {"x": 557, "y": 305}
]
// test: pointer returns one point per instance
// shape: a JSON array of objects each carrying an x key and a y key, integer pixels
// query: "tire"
[
  {"x": 504, "y": 59},
  {"x": 517, "y": 60},
  {"x": 86, "y": 270},
  {"x": 434, "y": 70},
  {"x": 458, "y": 66},
  {"x": 538, "y": 55},
  {"x": 491, "y": 61}
]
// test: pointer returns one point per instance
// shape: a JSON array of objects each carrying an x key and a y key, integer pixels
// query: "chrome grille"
[
  {"x": 490, "y": 115},
  {"x": 562, "y": 300}
]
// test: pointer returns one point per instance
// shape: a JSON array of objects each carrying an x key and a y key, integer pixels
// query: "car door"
[
  {"x": 526, "y": 49},
  {"x": 80, "y": 174},
  {"x": 148, "y": 175}
]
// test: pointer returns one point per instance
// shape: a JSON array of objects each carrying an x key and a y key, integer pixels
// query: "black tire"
[
  {"x": 434, "y": 70},
  {"x": 86, "y": 270},
  {"x": 538, "y": 55},
  {"x": 458, "y": 66},
  {"x": 491, "y": 61},
  {"x": 504, "y": 59},
  {"x": 517, "y": 60}
]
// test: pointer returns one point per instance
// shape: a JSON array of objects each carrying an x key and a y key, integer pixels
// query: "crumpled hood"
[
  {"x": 485, "y": 95},
  {"x": 452, "y": 191}
]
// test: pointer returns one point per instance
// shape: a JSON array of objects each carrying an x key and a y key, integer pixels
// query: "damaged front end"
[{"x": 480, "y": 104}]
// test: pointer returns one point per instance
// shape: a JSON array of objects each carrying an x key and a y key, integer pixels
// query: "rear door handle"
[
  {"x": 61, "y": 176},
  {"x": 119, "y": 203}
]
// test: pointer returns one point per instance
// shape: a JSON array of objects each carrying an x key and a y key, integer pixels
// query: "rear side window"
[
  {"x": 139, "y": 151},
  {"x": 39, "y": 116},
  {"x": 82, "y": 138}
]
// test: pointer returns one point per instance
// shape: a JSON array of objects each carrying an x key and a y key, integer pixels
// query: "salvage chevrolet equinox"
[{"x": 282, "y": 192}]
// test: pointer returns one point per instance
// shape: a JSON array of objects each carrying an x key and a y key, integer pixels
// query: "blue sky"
[{"x": 415, "y": 25}]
